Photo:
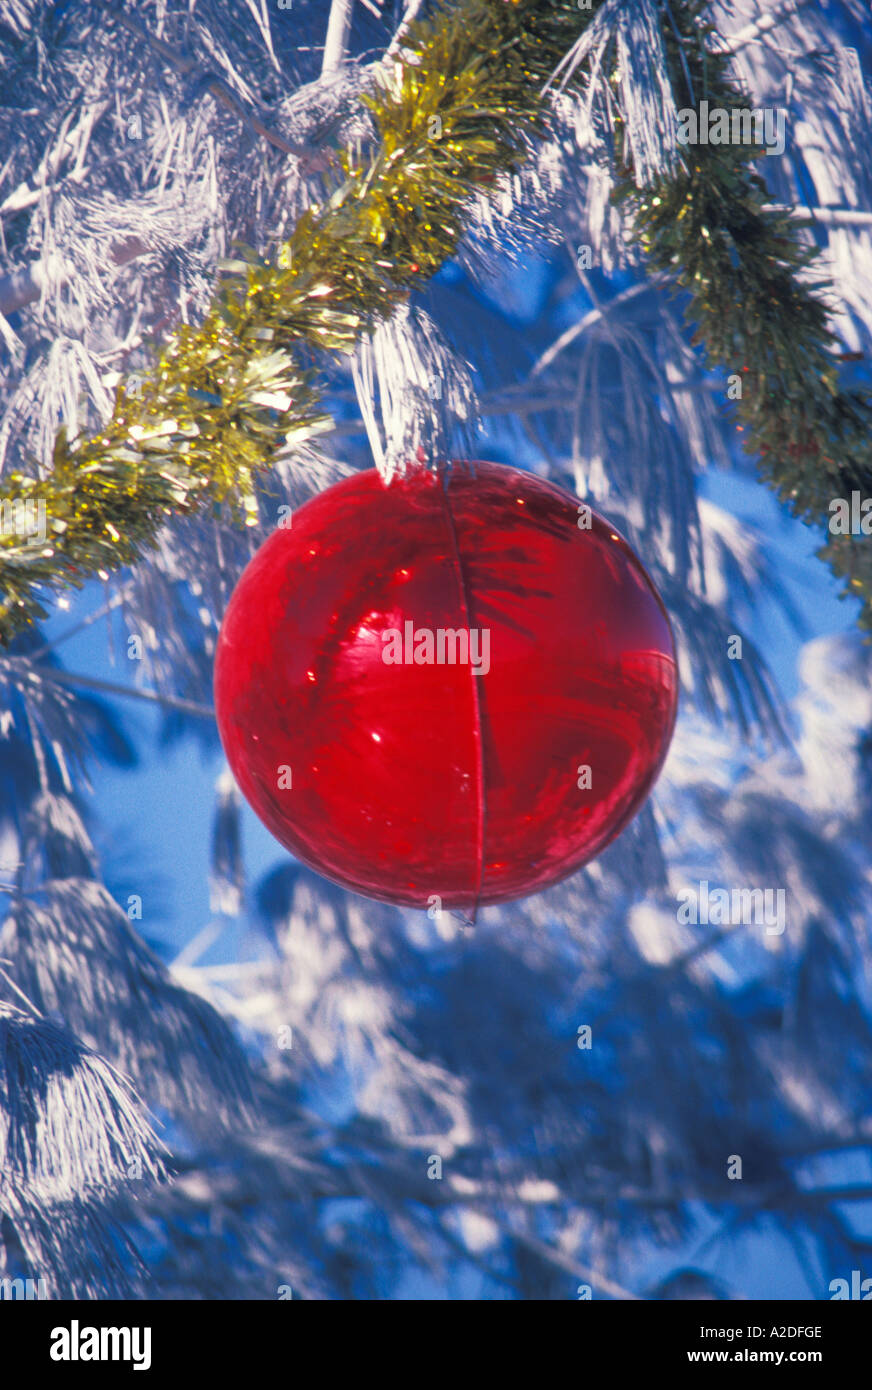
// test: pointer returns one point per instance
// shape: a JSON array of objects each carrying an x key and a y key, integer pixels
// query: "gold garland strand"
[{"x": 224, "y": 398}]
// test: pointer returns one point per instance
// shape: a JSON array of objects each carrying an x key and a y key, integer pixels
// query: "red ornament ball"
[{"x": 458, "y": 686}]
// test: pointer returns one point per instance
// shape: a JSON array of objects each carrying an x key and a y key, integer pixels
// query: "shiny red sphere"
[{"x": 412, "y": 678}]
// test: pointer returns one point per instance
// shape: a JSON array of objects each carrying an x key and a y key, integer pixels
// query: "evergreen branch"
[
  {"x": 182, "y": 1054},
  {"x": 827, "y": 216},
  {"x": 215, "y": 85},
  {"x": 21, "y": 287},
  {"x": 452, "y": 117},
  {"x": 99, "y": 613},
  {"x": 757, "y": 312},
  {"x": 561, "y": 1260},
  {"x": 223, "y": 399},
  {"x": 765, "y": 24},
  {"x": 70, "y": 1124},
  {"x": 82, "y": 682},
  {"x": 412, "y": 11},
  {"x": 338, "y": 28},
  {"x": 575, "y": 330}
]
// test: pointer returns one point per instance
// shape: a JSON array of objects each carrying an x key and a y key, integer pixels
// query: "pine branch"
[
  {"x": 215, "y": 85},
  {"x": 83, "y": 682},
  {"x": 826, "y": 216},
  {"x": 224, "y": 398},
  {"x": 575, "y": 330},
  {"x": 768, "y": 21},
  {"x": 69, "y": 1123},
  {"x": 22, "y": 287},
  {"x": 746, "y": 270},
  {"x": 76, "y": 955},
  {"x": 338, "y": 29},
  {"x": 413, "y": 9}
]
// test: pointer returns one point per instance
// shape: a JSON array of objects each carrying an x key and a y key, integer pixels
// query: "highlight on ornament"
[{"x": 461, "y": 684}]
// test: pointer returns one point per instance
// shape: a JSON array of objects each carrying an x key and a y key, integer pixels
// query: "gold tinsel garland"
[{"x": 223, "y": 399}]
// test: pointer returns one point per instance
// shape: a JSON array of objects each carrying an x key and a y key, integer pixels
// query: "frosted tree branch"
[
  {"x": 576, "y": 329},
  {"x": 767, "y": 21},
  {"x": 84, "y": 682},
  {"x": 216, "y": 86},
  {"x": 338, "y": 29},
  {"x": 22, "y": 287},
  {"x": 413, "y": 9},
  {"x": 828, "y": 217}
]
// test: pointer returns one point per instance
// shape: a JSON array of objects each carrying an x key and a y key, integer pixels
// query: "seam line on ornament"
[{"x": 481, "y": 808}]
